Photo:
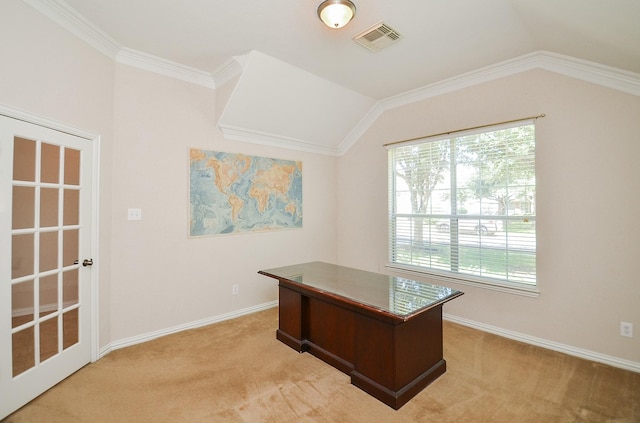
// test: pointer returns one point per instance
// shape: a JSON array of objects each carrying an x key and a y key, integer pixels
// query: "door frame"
[{"x": 14, "y": 113}]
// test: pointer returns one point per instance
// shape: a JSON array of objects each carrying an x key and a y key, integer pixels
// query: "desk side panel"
[
  {"x": 418, "y": 346},
  {"x": 290, "y": 318},
  {"x": 375, "y": 351}
]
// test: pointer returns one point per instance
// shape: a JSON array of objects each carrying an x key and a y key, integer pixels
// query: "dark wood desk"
[{"x": 383, "y": 331}]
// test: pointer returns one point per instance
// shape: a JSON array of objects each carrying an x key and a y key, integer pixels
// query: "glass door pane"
[
  {"x": 46, "y": 178},
  {"x": 24, "y": 160},
  {"x": 45, "y": 252}
]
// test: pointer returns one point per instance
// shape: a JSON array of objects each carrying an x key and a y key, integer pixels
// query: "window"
[{"x": 465, "y": 206}]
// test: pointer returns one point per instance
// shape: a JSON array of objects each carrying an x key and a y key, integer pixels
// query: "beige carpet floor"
[{"x": 236, "y": 371}]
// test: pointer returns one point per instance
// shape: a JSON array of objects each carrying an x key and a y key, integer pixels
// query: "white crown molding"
[
  {"x": 65, "y": 16},
  {"x": 584, "y": 70},
  {"x": 228, "y": 70},
  {"x": 158, "y": 65},
  {"x": 127, "y": 342},
  {"x": 361, "y": 127},
  {"x": 233, "y": 133},
  {"x": 606, "y": 76},
  {"x": 550, "y": 345},
  {"x": 596, "y": 73}
]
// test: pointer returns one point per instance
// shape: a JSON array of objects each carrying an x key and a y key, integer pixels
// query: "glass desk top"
[{"x": 398, "y": 296}]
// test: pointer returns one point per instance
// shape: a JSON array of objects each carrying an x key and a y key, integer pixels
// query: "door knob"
[{"x": 87, "y": 262}]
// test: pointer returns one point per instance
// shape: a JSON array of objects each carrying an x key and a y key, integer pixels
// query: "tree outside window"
[{"x": 465, "y": 206}]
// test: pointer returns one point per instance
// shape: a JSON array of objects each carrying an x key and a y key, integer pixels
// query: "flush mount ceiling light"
[{"x": 336, "y": 13}]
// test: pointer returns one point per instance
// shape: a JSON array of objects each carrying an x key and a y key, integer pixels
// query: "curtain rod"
[{"x": 463, "y": 130}]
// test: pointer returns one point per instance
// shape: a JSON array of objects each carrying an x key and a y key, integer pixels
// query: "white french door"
[{"x": 45, "y": 259}]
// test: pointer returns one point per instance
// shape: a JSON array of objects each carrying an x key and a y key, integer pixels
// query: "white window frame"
[{"x": 413, "y": 269}]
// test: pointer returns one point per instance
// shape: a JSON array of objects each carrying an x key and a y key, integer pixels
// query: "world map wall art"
[{"x": 232, "y": 193}]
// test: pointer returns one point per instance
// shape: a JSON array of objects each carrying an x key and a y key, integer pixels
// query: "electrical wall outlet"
[
  {"x": 235, "y": 289},
  {"x": 626, "y": 329}
]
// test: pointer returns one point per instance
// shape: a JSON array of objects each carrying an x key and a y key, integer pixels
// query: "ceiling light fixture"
[{"x": 336, "y": 13}]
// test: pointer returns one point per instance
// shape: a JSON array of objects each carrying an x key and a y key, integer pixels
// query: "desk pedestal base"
[{"x": 392, "y": 361}]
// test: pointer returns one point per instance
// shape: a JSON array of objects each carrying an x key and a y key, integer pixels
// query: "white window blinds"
[{"x": 465, "y": 206}]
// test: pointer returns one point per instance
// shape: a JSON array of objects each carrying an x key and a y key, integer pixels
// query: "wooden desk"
[{"x": 383, "y": 331}]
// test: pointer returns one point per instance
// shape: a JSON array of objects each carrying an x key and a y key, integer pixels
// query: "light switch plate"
[{"x": 134, "y": 214}]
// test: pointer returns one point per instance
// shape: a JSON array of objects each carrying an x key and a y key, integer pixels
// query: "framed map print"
[{"x": 232, "y": 193}]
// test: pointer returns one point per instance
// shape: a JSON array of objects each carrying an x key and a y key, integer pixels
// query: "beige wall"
[
  {"x": 161, "y": 278},
  {"x": 588, "y": 207},
  {"x": 49, "y": 72},
  {"x": 153, "y": 277}
]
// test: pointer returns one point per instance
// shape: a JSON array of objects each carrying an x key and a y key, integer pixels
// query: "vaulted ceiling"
[{"x": 280, "y": 48}]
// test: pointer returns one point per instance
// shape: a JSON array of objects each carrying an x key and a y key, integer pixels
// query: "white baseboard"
[
  {"x": 516, "y": 336},
  {"x": 555, "y": 346},
  {"x": 127, "y": 342},
  {"x": 44, "y": 308}
]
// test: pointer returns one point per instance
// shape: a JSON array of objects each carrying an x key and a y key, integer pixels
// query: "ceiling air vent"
[{"x": 377, "y": 36}]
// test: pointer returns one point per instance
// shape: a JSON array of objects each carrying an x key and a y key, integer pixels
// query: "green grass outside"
[{"x": 492, "y": 263}]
